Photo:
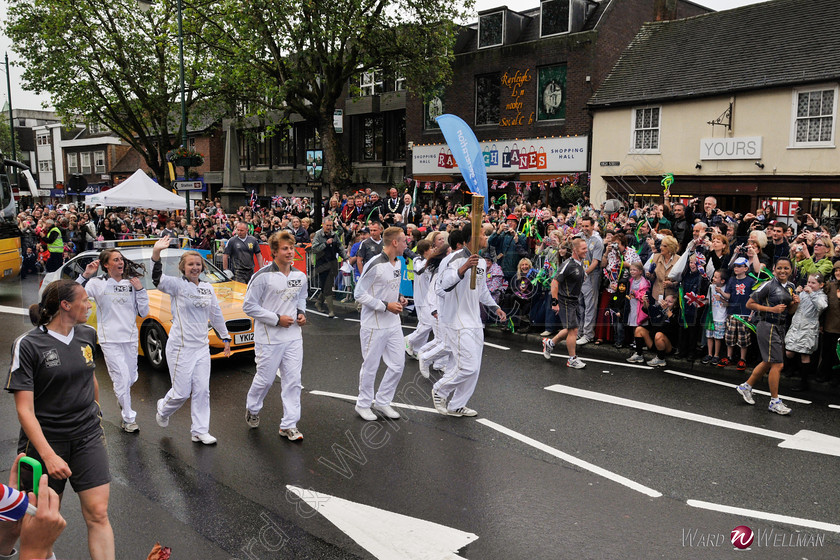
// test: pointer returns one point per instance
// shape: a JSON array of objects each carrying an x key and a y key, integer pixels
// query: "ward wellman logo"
[
  {"x": 742, "y": 537},
  {"x": 87, "y": 352}
]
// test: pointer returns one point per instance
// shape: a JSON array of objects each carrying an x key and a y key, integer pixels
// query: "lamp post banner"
[{"x": 467, "y": 153}]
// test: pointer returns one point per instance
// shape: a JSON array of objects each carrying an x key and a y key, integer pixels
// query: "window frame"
[
  {"x": 633, "y": 129},
  {"x": 82, "y": 157},
  {"x": 96, "y": 158},
  {"x": 794, "y": 143},
  {"x": 42, "y": 139},
  {"x": 45, "y": 166},
  {"x": 376, "y": 85},
  {"x": 73, "y": 158},
  {"x": 568, "y": 23},
  {"x": 378, "y": 126},
  {"x": 497, "y": 80},
  {"x": 502, "y": 40}
]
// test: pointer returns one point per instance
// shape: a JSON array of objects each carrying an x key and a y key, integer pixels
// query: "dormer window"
[
  {"x": 554, "y": 17},
  {"x": 491, "y": 30}
]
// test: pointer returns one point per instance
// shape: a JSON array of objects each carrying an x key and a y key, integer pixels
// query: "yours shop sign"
[{"x": 550, "y": 155}]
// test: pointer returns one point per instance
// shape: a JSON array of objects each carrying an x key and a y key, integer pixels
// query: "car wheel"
[{"x": 154, "y": 346}]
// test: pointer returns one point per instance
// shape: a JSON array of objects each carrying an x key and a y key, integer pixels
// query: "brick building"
[{"x": 522, "y": 81}]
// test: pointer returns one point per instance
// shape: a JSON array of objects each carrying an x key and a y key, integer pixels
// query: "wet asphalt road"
[{"x": 229, "y": 501}]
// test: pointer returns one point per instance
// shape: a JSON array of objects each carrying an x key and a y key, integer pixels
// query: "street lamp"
[
  {"x": 11, "y": 120},
  {"x": 145, "y": 5}
]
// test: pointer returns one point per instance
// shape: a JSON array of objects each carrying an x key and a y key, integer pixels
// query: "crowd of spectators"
[{"x": 678, "y": 271}]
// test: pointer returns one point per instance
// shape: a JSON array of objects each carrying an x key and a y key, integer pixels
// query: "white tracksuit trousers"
[
  {"x": 189, "y": 369},
  {"x": 461, "y": 375},
  {"x": 435, "y": 351},
  {"x": 389, "y": 346},
  {"x": 425, "y": 322},
  {"x": 121, "y": 360},
  {"x": 288, "y": 358}
]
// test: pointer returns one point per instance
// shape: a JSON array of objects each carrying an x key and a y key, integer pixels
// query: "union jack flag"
[
  {"x": 253, "y": 201},
  {"x": 696, "y": 300}
]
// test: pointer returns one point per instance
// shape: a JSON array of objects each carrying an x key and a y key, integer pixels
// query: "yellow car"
[{"x": 154, "y": 328}]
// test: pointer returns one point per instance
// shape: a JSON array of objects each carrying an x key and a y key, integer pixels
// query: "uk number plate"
[{"x": 243, "y": 338}]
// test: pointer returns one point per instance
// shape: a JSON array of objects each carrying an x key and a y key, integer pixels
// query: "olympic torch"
[{"x": 475, "y": 239}]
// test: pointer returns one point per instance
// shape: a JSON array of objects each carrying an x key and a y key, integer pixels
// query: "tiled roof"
[{"x": 775, "y": 43}]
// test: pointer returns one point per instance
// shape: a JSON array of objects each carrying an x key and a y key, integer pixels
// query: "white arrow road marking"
[
  {"x": 352, "y": 398},
  {"x": 804, "y": 440},
  {"x": 626, "y": 364},
  {"x": 572, "y": 459},
  {"x": 732, "y": 385},
  {"x": 385, "y": 534},
  {"x": 14, "y": 310},
  {"x": 741, "y": 512}
]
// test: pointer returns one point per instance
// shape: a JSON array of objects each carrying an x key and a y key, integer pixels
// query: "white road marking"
[
  {"x": 572, "y": 459},
  {"x": 353, "y": 399},
  {"x": 353, "y": 320},
  {"x": 834, "y": 406},
  {"x": 742, "y": 512},
  {"x": 585, "y": 360},
  {"x": 14, "y": 310},
  {"x": 804, "y": 440},
  {"x": 732, "y": 385},
  {"x": 496, "y": 346},
  {"x": 316, "y": 313},
  {"x": 385, "y": 534}
]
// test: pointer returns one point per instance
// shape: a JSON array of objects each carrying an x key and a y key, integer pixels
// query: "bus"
[{"x": 10, "y": 257}]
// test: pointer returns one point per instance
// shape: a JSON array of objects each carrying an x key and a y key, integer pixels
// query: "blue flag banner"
[
  {"x": 467, "y": 153},
  {"x": 406, "y": 281}
]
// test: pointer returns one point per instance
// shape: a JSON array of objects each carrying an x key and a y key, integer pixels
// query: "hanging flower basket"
[{"x": 185, "y": 157}]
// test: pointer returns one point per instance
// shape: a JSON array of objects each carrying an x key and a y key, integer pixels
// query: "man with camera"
[
  {"x": 778, "y": 247},
  {"x": 682, "y": 220}
]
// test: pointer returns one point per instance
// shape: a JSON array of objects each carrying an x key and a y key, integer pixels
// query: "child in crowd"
[
  {"x": 618, "y": 308},
  {"x": 695, "y": 288},
  {"x": 803, "y": 335},
  {"x": 737, "y": 293},
  {"x": 716, "y": 324},
  {"x": 637, "y": 315}
]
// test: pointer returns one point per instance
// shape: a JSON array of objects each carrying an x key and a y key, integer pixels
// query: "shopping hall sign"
[{"x": 550, "y": 155}]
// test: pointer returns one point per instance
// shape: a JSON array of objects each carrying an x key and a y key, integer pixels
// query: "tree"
[
  {"x": 291, "y": 56},
  {"x": 111, "y": 63},
  {"x": 6, "y": 139}
]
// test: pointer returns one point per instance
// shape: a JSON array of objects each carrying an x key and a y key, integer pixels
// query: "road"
[{"x": 559, "y": 463}]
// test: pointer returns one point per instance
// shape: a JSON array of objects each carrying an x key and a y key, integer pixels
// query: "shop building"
[{"x": 740, "y": 105}]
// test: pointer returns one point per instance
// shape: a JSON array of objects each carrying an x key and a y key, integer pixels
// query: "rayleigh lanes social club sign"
[{"x": 550, "y": 155}]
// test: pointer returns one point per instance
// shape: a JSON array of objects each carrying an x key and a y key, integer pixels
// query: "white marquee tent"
[{"x": 139, "y": 191}]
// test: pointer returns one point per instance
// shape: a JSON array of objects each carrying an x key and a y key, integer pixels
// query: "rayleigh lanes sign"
[{"x": 551, "y": 155}]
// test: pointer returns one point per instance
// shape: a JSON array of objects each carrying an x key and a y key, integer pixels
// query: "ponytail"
[{"x": 61, "y": 290}]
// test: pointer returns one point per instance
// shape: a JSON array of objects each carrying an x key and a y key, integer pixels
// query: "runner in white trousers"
[
  {"x": 120, "y": 298},
  {"x": 460, "y": 312},
  {"x": 276, "y": 300},
  {"x": 378, "y": 291},
  {"x": 194, "y": 303}
]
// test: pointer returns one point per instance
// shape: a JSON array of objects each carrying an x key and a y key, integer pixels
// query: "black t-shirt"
[
  {"x": 60, "y": 377},
  {"x": 570, "y": 280}
]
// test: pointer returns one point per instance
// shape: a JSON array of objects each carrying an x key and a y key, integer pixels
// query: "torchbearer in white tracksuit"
[
  {"x": 378, "y": 292},
  {"x": 276, "y": 300},
  {"x": 119, "y": 301},
  {"x": 194, "y": 303},
  {"x": 425, "y": 321},
  {"x": 458, "y": 309}
]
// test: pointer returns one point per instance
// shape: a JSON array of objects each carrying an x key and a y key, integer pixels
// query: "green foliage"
[
  {"x": 6, "y": 139},
  {"x": 111, "y": 63},
  {"x": 571, "y": 194}
]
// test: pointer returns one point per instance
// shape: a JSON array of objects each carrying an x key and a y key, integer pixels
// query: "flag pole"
[{"x": 475, "y": 221}]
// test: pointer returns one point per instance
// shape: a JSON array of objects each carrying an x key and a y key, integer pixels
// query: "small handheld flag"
[{"x": 14, "y": 504}]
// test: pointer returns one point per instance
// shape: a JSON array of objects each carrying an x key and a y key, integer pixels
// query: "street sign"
[{"x": 182, "y": 186}]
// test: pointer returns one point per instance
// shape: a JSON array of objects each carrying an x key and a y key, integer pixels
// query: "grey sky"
[{"x": 27, "y": 100}]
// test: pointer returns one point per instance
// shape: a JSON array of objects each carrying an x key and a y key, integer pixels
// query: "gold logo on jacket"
[{"x": 87, "y": 352}]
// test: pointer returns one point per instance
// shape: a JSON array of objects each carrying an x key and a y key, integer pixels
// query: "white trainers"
[
  {"x": 656, "y": 362},
  {"x": 129, "y": 427},
  {"x": 161, "y": 421},
  {"x": 424, "y": 367},
  {"x": 463, "y": 411},
  {"x": 636, "y": 358},
  {"x": 777, "y": 406},
  {"x": 548, "y": 346},
  {"x": 365, "y": 413},
  {"x": 408, "y": 349},
  {"x": 440, "y": 402},
  {"x": 746, "y": 392},
  {"x": 206, "y": 439},
  {"x": 575, "y": 362},
  {"x": 292, "y": 434},
  {"x": 583, "y": 340},
  {"x": 253, "y": 420},
  {"x": 545, "y": 333},
  {"x": 387, "y": 410}
]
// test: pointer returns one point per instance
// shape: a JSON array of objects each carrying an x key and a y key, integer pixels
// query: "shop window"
[
  {"x": 372, "y": 138},
  {"x": 646, "y": 130},
  {"x": 491, "y": 30},
  {"x": 554, "y": 17},
  {"x": 814, "y": 115},
  {"x": 487, "y": 99}
]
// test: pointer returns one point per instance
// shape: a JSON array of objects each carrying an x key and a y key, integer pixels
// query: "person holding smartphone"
[{"x": 56, "y": 397}]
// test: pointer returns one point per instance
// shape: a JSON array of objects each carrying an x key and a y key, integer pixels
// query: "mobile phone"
[{"x": 29, "y": 474}]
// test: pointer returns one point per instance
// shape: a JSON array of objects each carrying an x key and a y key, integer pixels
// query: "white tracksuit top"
[
  {"x": 271, "y": 294},
  {"x": 192, "y": 306},
  {"x": 458, "y": 305},
  {"x": 379, "y": 282},
  {"x": 421, "y": 284},
  {"x": 118, "y": 305}
]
